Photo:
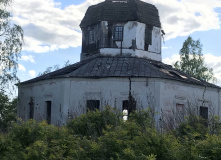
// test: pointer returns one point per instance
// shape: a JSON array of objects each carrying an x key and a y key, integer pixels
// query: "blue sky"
[{"x": 52, "y": 33}]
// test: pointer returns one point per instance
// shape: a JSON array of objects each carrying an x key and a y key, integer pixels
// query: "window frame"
[{"x": 118, "y": 34}]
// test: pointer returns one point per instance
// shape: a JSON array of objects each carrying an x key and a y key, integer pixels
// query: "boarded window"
[
  {"x": 180, "y": 112},
  {"x": 92, "y": 105},
  {"x": 118, "y": 33},
  {"x": 31, "y": 109},
  {"x": 91, "y": 37},
  {"x": 204, "y": 112},
  {"x": 48, "y": 112}
]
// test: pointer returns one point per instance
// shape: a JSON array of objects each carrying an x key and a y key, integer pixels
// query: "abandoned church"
[{"x": 121, "y": 66}]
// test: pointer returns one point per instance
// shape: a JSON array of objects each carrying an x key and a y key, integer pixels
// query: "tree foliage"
[
  {"x": 192, "y": 60},
  {"x": 8, "y": 111},
  {"x": 54, "y": 68},
  {"x": 11, "y": 40}
]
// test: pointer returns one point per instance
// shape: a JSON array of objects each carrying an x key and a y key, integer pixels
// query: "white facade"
[
  {"x": 69, "y": 96},
  {"x": 134, "y": 32}
]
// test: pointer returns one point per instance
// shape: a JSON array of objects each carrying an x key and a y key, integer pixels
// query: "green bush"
[{"x": 104, "y": 135}]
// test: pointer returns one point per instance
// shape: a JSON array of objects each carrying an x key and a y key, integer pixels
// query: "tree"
[
  {"x": 7, "y": 111},
  {"x": 11, "y": 40},
  {"x": 192, "y": 61}
]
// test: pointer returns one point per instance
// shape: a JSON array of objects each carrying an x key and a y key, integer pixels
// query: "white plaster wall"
[
  {"x": 135, "y": 31},
  {"x": 140, "y": 35},
  {"x": 148, "y": 55},
  {"x": 129, "y": 34},
  {"x": 69, "y": 96},
  {"x": 50, "y": 90},
  {"x": 191, "y": 96},
  {"x": 116, "y": 51},
  {"x": 156, "y": 41}
]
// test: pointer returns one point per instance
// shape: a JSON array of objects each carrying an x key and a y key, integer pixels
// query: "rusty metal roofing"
[
  {"x": 107, "y": 66},
  {"x": 122, "y": 11}
]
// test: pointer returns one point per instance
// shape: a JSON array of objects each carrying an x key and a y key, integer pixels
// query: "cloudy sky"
[{"x": 53, "y": 36}]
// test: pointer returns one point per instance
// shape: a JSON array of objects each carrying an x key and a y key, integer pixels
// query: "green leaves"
[
  {"x": 8, "y": 111},
  {"x": 192, "y": 61},
  {"x": 11, "y": 40},
  {"x": 104, "y": 135}
]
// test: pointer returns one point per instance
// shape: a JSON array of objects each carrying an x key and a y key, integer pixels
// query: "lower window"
[{"x": 92, "y": 105}]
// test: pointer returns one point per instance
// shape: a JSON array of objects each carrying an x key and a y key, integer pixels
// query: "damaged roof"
[
  {"x": 122, "y": 11},
  {"x": 107, "y": 66}
]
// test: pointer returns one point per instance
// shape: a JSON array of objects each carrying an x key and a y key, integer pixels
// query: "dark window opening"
[
  {"x": 204, "y": 112},
  {"x": 91, "y": 37},
  {"x": 148, "y": 37},
  {"x": 92, "y": 105},
  {"x": 31, "y": 109},
  {"x": 48, "y": 112},
  {"x": 118, "y": 33}
]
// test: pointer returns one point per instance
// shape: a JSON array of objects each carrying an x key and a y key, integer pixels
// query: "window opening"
[
  {"x": 31, "y": 109},
  {"x": 204, "y": 112},
  {"x": 118, "y": 33},
  {"x": 48, "y": 112},
  {"x": 92, "y": 105},
  {"x": 91, "y": 37},
  {"x": 127, "y": 108}
]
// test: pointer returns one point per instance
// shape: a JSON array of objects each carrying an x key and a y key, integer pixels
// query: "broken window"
[
  {"x": 31, "y": 109},
  {"x": 127, "y": 108},
  {"x": 91, "y": 37},
  {"x": 118, "y": 33},
  {"x": 204, "y": 112},
  {"x": 148, "y": 36},
  {"x": 92, "y": 105},
  {"x": 48, "y": 112}
]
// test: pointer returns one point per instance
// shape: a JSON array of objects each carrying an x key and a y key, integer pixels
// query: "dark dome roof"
[{"x": 122, "y": 11}]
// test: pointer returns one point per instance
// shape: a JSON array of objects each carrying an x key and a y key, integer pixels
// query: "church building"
[{"x": 121, "y": 66}]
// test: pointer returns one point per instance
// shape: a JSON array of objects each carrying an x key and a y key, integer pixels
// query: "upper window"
[
  {"x": 91, "y": 37},
  {"x": 118, "y": 33},
  {"x": 93, "y": 105}
]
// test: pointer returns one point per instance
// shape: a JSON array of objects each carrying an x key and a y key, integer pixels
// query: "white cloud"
[
  {"x": 210, "y": 60},
  {"x": 32, "y": 73},
  {"x": 47, "y": 27},
  {"x": 27, "y": 58},
  {"x": 21, "y": 67}
]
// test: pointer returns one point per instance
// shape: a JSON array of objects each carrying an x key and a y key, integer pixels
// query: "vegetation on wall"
[{"x": 104, "y": 135}]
